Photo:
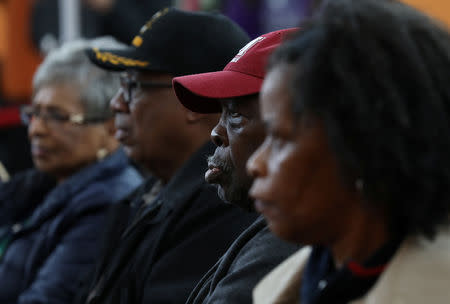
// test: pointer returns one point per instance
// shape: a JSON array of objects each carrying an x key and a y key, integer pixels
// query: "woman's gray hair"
[{"x": 69, "y": 65}]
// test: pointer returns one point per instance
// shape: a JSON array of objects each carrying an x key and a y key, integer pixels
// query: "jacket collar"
[{"x": 418, "y": 273}]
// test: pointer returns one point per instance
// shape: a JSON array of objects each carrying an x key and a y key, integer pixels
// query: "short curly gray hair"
[{"x": 69, "y": 65}]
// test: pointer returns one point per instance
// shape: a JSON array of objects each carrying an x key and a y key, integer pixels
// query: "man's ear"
[
  {"x": 192, "y": 117},
  {"x": 207, "y": 119}
]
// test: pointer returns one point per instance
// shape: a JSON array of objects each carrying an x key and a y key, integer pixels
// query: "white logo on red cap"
[{"x": 246, "y": 48}]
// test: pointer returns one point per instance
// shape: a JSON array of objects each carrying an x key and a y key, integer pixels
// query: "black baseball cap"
[{"x": 177, "y": 42}]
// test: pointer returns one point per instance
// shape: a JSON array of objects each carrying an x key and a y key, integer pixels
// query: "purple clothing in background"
[
  {"x": 280, "y": 14},
  {"x": 246, "y": 14},
  {"x": 258, "y": 17}
]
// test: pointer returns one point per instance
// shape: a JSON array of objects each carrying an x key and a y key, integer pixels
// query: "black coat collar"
[{"x": 188, "y": 179}]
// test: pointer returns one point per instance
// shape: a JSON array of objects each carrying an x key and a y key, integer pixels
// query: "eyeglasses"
[
  {"x": 56, "y": 116},
  {"x": 131, "y": 85}
]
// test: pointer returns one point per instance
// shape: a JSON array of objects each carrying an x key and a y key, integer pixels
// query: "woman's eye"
[{"x": 57, "y": 115}]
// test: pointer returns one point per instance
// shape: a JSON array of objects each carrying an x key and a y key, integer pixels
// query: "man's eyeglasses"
[
  {"x": 53, "y": 115},
  {"x": 131, "y": 85}
]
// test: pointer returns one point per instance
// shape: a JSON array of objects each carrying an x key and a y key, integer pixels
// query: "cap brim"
[
  {"x": 201, "y": 92},
  {"x": 117, "y": 60}
]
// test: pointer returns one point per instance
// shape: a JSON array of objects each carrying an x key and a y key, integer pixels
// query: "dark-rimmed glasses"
[
  {"x": 129, "y": 85},
  {"x": 53, "y": 115}
]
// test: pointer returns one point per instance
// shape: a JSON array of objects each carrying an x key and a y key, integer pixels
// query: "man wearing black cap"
[
  {"x": 234, "y": 93},
  {"x": 171, "y": 237}
]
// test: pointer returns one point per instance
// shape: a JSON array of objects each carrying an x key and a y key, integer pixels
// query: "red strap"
[
  {"x": 360, "y": 271},
  {"x": 9, "y": 117}
]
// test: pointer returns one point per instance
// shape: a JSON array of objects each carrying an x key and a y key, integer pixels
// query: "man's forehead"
[{"x": 240, "y": 100}]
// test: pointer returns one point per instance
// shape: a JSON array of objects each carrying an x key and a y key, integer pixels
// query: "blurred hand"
[{"x": 102, "y": 6}]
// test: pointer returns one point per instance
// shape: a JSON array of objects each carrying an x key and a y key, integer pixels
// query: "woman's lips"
[
  {"x": 213, "y": 174},
  {"x": 39, "y": 152},
  {"x": 260, "y": 206}
]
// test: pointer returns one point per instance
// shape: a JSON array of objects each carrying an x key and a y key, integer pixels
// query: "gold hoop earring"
[{"x": 101, "y": 153}]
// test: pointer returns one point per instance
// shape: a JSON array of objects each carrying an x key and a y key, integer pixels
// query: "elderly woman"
[
  {"x": 356, "y": 159},
  {"x": 51, "y": 217}
]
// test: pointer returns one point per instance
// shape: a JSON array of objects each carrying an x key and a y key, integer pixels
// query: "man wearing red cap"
[{"x": 234, "y": 93}]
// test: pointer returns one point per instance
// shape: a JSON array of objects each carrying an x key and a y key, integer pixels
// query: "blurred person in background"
[
  {"x": 356, "y": 158},
  {"x": 51, "y": 216},
  {"x": 234, "y": 92},
  {"x": 256, "y": 16},
  {"x": 167, "y": 235},
  {"x": 118, "y": 18}
]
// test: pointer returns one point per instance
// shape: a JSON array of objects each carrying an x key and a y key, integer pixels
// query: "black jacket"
[
  {"x": 254, "y": 253},
  {"x": 166, "y": 250}
]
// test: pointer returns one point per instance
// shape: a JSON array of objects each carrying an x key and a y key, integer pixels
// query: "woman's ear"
[{"x": 109, "y": 142}]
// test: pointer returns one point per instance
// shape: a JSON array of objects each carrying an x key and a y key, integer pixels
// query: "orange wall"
[
  {"x": 19, "y": 58},
  {"x": 439, "y": 9},
  {"x": 3, "y": 28}
]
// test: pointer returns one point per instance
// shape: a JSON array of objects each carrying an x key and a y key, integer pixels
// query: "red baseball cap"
[{"x": 242, "y": 76}]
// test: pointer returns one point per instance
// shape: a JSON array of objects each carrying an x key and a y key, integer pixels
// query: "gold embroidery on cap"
[
  {"x": 116, "y": 60},
  {"x": 155, "y": 17},
  {"x": 137, "y": 41}
]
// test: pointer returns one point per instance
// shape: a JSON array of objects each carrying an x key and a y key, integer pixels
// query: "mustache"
[{"x": 223, "y": 164}]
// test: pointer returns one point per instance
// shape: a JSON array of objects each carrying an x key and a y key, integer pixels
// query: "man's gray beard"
[{"x": 236, "y": 195}]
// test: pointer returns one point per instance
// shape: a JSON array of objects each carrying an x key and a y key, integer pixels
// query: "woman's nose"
[{"x": 257, "y": 163}]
